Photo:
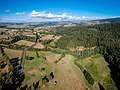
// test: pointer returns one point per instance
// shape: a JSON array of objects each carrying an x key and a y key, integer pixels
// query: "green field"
[
  {"x": 68, "y": 71},
  {"x": 98, "y": 68}
]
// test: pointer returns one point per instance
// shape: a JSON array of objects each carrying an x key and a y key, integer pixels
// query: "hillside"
[
  {"x": 67, "y": 73},
  {"x": 66, "y": 58},
  {"x": 110, "y": 20}
]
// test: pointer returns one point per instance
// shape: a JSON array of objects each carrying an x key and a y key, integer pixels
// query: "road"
[{"x": 24, "y": 53}]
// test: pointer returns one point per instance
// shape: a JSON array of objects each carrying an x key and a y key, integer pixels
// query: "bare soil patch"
[
  {"x": 48, "y": 37},
  {"x": 13, "y": 53},
  {"x": 29, "y": 43}
]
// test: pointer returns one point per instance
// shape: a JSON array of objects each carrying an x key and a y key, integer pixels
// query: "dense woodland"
[
  {"x": 111, "y": 48},
  {"x": 83, "y": 36},
  {"x": 106, "y": 37}
]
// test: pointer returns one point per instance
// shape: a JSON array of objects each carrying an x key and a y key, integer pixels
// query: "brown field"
[
  {"x": 4, "y": 70},
  {"x": 29, "y": 43},
  {"x": 13, "y": 53},
  {"x": 48, "y": 37},
  {"x": 57, "y": 38},
  {"x": 28, "y": 34},
  {"x": 67, "y": 74},
  {"x": 51, "y": 37}
]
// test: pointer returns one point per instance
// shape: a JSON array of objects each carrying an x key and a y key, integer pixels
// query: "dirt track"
[{"x": 24, "y": 54}]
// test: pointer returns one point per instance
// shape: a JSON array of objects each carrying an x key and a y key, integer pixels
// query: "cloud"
[
  {"x": 43, "y": 15},
  {"x": 20, "y": 13},
  {"x": 7, "y": 10}
]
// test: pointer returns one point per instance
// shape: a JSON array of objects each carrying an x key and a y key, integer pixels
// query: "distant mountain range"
[
  {"x": 2, "y": 24},
  {"x": 110, "y": 20}
]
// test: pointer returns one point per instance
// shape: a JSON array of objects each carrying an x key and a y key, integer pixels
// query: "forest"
[{"x": 105, "y": 37}]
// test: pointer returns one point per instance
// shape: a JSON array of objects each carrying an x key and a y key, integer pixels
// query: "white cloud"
[
  {"x": 20, "y": 13},
  {"x": 7, "y": 10},
  {"x": 43, "y": 15}
]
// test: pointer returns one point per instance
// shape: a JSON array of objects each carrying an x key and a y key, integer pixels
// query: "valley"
[{"x": 59, "y": 57}]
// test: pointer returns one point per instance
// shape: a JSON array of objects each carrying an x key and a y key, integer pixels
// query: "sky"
[{"x": 57, "y": 10}]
